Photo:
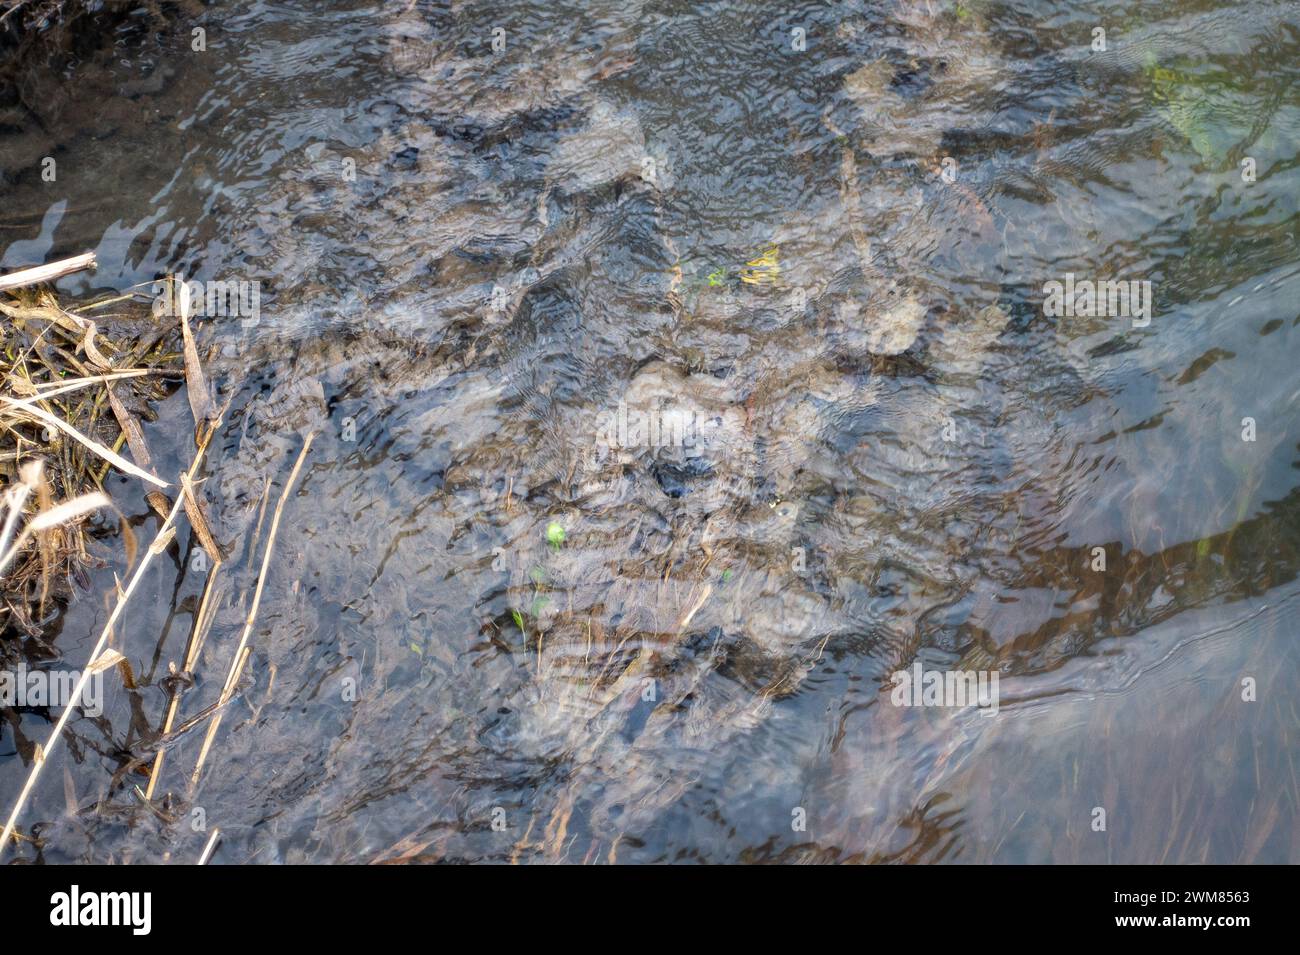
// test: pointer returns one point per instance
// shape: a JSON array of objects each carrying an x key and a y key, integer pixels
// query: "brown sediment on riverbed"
[
  {"x": 52, "y": 24},
  {"x": 76, "y": 384},
  {"x": 57, "y": 56},
  {"x": 29, "y": 27}
]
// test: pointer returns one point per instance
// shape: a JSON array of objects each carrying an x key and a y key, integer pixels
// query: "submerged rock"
[
  {"x": 888, "y": 122},
  {"x": 705, "y": 407},
  {"x": 894, "y": 330},
  {"x": 609, "y": 148},
  {"x": 889, "y": 328},
  {"x": 962, "y": 347}
]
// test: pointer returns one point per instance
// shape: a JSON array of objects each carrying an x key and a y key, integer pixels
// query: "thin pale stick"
[
  {"x": 48, "y": 272},
  {"x": 191, "y": 652},
  {"x": 72, "y": 384},
  {"x": 208, "y": 849},
  {"x": 237, "y": 664},
  {"x": 106, "y": 453}
]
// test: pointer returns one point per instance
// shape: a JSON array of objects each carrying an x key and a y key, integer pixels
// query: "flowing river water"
[{"x": 490, "y": 238}]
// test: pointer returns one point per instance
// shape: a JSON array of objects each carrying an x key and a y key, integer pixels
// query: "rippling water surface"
[{"x": 821, "y": 235}]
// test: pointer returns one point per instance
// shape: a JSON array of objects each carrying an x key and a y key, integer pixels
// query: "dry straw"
[{"x": 32, "y": 404}]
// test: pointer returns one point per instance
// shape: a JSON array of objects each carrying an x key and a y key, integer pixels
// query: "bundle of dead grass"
[
  {"x": 63, "y": 375},
  {"x": 74, "y": 388},
  {"x": 85, "y": 377}
]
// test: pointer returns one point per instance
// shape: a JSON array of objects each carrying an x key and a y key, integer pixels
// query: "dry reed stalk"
[
  {"x": 48, "y": 272},
  {"x": 164, "y": 536},
  {"x": 202, "y": 623},
  {"x": 198, "y": 516},
  {"x": 242, "y": 651},
  {"x": 73, "y": 384},
  {"x": 16, "y": 497},
  {"x": 210, "y": 847},
  {"x": 49, "y": 516},
  {"x": 53, "y": 516},
  {"x": 197, "y": 391},
  {"x": 106, "y": 453},
  {"x": 139, "y": 450}
]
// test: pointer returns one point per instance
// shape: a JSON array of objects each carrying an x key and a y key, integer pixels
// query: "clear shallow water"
[{"x": 584, "y": 218}]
